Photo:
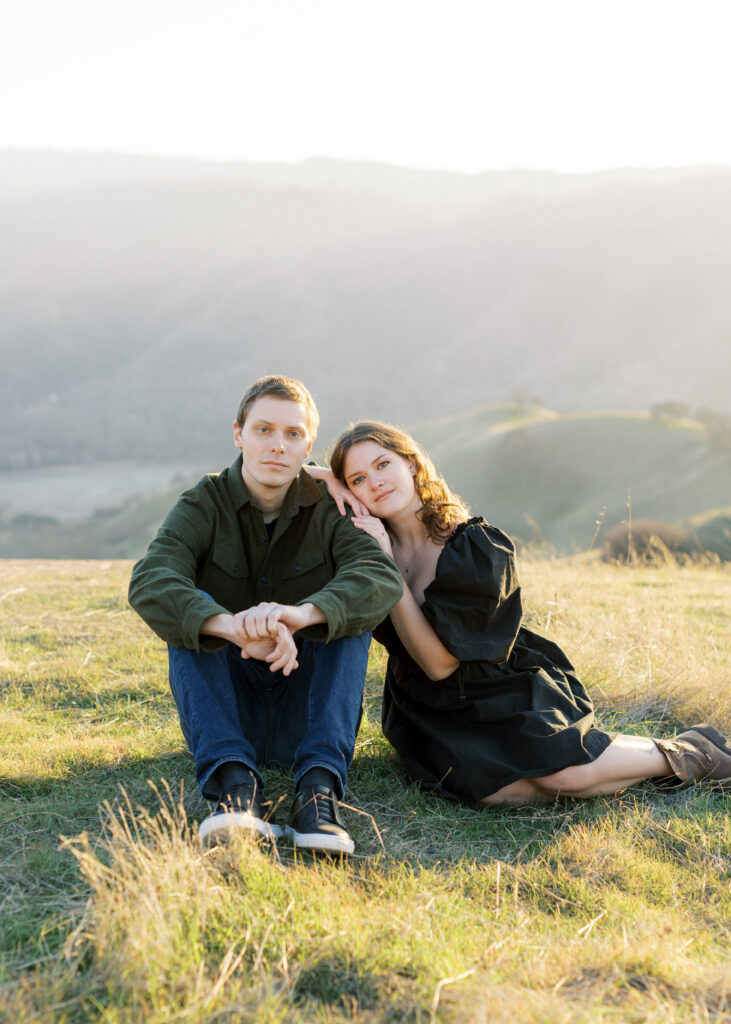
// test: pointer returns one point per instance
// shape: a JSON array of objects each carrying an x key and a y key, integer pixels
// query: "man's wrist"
[
  {"x": 217, "y": 625},
  {"x": 311, "y": 614}
]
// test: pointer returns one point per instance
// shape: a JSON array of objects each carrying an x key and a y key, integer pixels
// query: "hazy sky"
[{"x": 471, "y": 85}]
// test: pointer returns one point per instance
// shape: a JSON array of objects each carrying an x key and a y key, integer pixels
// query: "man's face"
[{"x": 275, "y": 441}]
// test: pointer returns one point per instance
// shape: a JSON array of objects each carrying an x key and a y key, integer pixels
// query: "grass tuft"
[{"x": 593, "y": 911}]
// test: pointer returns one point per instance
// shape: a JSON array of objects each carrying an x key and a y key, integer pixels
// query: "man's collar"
[{"x": 303, "y": 490}]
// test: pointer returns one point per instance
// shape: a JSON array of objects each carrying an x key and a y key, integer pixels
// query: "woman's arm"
[
  {"x": 420, "y": 640},
  {"x": 409, "y": 621}
]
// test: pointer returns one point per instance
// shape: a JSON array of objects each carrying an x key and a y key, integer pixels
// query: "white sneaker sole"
[
  {"x": 221, "y": 826},
  {"x": 316, "y": 841}
]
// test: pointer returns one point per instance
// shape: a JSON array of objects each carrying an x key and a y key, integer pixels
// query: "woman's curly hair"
[{"x": 442, "y": 509}]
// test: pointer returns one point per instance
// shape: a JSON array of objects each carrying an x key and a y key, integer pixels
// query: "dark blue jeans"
[{"x": 233, "y": 709}]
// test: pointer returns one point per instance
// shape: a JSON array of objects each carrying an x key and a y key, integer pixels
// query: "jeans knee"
[{"x": 346, "y": 656}]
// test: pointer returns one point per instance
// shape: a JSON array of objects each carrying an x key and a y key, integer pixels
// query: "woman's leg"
[
  {"x": 524, "y": 791},
  {"x": 700, "y": 754},
  {"x": 626, "y": 761}
]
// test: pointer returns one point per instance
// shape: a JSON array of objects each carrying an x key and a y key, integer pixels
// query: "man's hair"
[
  {"x": 289, "y": 389},
  {"x": 441, "y": 508}
]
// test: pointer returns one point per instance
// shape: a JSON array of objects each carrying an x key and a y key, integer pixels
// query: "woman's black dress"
[{"x": 514, "y": 708}]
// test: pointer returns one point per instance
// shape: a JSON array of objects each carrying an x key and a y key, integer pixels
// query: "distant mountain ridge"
[
  {"x": 33, "y": 171},
  {"x": 139, "y": 296}
]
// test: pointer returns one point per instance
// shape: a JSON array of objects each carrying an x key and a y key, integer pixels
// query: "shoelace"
[
  {"x": 325, "y": 807},
  {"x": 241, "y": 798}
]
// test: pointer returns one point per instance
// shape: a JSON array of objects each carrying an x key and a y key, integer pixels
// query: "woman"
[{"x": 480, "y": 708}]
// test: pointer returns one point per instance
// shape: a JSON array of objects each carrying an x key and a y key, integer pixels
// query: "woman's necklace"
[
  {"x": 404, "y": 566},
  {"x": 407, "y": 568}
]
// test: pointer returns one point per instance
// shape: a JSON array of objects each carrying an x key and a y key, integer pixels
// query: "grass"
[{"x": 602, "y": 910}]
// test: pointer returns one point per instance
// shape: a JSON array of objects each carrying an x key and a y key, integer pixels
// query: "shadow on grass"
[
  {"x": 61, "y": 693},
  {"x": 91, "y": 782},
  {"x": 387, "y": 814}
]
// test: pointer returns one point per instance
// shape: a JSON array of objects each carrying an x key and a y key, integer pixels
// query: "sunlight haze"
[
  {"x": 506, "y": 226},
  {"x": 567, "y": 85}
]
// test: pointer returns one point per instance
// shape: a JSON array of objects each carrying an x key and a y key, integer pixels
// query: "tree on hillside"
[
  {"x": 718, "y": 427},
  {"x": 670, "y": 410}
]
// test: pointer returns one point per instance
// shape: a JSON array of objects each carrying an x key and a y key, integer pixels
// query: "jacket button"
[
  {"x": 265, "y": 579},
  {"x": 297, "y": 568}
]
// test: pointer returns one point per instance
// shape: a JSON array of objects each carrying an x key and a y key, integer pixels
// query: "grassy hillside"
[
  {"x": 120, "y": 532},
  {"x": 609, "y": 910},
  {"x": 541, "y": 475}
]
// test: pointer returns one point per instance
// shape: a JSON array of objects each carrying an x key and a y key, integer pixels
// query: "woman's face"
[{"x": 383, "y": 480}]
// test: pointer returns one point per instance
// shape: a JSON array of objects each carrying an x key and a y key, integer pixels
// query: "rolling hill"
[{"x": 540, "y": 475}]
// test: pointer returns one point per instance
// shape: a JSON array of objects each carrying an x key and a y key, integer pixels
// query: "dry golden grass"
[
  {"x": 593, "y": 911},
  {"x": 651, "y": 642}
]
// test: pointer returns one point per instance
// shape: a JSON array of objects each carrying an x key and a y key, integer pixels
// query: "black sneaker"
[
  {"x": 315, "y": 823},
  {"x": 242, "y": 809}
]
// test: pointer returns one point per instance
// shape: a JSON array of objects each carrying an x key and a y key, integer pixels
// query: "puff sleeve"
[{"x": 474, "y": 604}]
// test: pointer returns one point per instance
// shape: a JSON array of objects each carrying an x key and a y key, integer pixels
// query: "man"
[{"x": 265, "y": 595}]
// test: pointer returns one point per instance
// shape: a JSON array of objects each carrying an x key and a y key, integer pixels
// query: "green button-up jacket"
[{"x": 214, "y": 540}]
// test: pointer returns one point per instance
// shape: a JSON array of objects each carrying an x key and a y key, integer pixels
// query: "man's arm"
[
  {"x": 365, "y": 586},
  {"x": 263, "y": 620},
  {"x": 163, "y": 587}
]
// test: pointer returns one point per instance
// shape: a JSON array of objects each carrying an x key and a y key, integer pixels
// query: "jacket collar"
[{"x": 303, "y": 491}]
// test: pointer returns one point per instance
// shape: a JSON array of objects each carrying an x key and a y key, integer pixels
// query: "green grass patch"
[{"x": 601, "y": 910}]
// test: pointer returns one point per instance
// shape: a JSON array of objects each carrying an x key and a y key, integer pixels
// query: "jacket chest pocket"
[
  {"x": 230, "y": 563},
  {"x": 305, "y": 574}
]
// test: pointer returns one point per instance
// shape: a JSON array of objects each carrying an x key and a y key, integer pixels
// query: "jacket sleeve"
[
  {"x": 474, "y": 603},
  {"x": 366, "y": 584},
  {"x": 163, "y": 587}
]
